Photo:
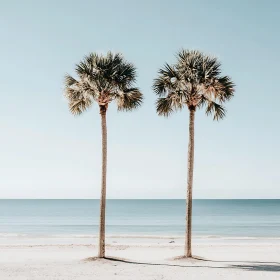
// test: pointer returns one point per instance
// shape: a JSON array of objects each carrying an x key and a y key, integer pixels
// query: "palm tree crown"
[
  {"x": 103, "y": 79},
  {"x": 195, "y": 81}
]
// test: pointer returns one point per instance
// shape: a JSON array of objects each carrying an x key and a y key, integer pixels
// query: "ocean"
[{"x": 228, "y": 218}]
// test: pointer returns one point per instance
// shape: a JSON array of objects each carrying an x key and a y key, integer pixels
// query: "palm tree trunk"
[
  {"x": 101, "y": 253},
  {"x": 188, "y": 244}
]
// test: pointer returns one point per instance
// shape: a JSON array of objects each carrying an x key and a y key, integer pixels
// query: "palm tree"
[
  {"x": 194, "y": 81},
  {"x": 103, "y": 79}
]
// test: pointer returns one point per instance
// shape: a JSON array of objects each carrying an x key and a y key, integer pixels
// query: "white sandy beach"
[{"x": 138, "y": 258}]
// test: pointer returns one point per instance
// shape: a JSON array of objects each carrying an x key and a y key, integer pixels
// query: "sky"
[{"x": 45, "y": 152}]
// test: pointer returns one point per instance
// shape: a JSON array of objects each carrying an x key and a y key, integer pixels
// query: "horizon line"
[{"x": 139, "y": 198}]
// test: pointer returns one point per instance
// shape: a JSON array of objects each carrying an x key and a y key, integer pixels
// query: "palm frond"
[
  {"x": 190, "y": 58},
  {"x": 80, "y": 105},
  {"x": 195, "y": 80},
  {"x": 190, "y": 65},
  {"x": 167, "y": 80},
  {"x": 72, "y": 93},
  {"x": 84, "y": 69},
  {"x": 215, "y": 109},
  {"x": 169, "y": 71},
  {"x": 79, "y": 97},
  {"x": 221, "y": 88},
  {"x": 69, "y": 80},
  {"x": 129, "y": 99},
  {"x": 174, "y": 101},
  {"x": 211, "y": 68},
  {"x": 125, "y": 74},
  {"x": 202, "y": 101},
  {"x": 164, "y": 106},
  {"x": 102, "y": 78},
  {"x": 161, "y": 85},
  {"x": 226, "y": 88}
]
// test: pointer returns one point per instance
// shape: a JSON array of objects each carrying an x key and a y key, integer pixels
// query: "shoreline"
[
  {"x": 131, "y": 240},
  {"x": 132, "y": 235}
]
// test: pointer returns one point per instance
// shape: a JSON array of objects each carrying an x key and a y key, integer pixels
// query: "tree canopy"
[
  {"x": 194, "y": 81},
  {"x": 103, "y": 78}
]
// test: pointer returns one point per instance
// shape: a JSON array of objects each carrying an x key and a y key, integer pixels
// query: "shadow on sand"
[{"x": 200, "y": 262}]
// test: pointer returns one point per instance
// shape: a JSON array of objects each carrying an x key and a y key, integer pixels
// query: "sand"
[{"x": 138, "y": 258}]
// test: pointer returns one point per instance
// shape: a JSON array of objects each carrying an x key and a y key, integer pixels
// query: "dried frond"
[
  {"x": 80, "y": 105},
  {"x": 129, "y": 99}
]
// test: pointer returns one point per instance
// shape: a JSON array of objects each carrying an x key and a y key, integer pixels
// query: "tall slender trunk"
[
  {"x": 101, "y": 253},
  {"x": 188, "y": 241}
]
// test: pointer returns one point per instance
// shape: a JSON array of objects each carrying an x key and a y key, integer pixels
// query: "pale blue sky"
[{"x": 47, "y": 153}]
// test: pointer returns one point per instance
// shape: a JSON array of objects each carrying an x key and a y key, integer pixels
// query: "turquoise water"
[{"x": 240, "y": 218}]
